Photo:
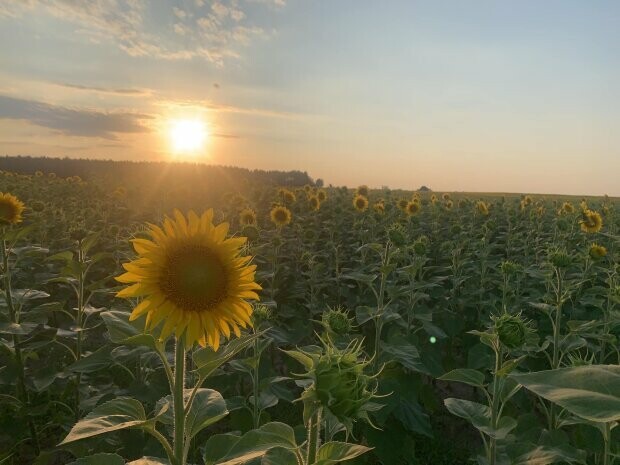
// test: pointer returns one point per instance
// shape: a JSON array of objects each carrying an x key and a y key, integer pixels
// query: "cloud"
[
  {"x": 215, "y": 35},
  {"x": 73, "y": 122},
  {"x": 106, "y": 90}
]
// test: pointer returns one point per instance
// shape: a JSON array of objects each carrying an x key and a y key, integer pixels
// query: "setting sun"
[{"x": 187, "y": 135}]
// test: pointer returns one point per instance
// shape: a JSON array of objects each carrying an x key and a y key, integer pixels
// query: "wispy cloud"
[
  {"x": 214, "y": 31},
  {"x": 73, "y": 122},
  {"x": 107, "y": 90}
]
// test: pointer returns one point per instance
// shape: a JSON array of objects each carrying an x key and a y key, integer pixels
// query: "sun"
[{"x": 187, "y": 135}]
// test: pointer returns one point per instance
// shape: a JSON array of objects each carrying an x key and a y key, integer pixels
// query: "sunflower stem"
[
  {"x": 22, "y": 392},
  {"x": 79, "y": 318},
  {"x": 178, "y": 401},
  {"x": 314, "y": 437},
  {"x": 255, "y": 410}
]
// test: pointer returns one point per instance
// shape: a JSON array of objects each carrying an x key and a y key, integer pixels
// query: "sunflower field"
[{"x": 169, "y": 320}]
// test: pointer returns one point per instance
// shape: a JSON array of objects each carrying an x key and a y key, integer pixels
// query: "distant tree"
[
  {"x": 425, "y": 189},
  {"x": 319, "y": 183}
]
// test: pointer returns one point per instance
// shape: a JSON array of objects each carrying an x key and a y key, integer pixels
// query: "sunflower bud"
[
  {"x": 419, "y": 246},
  {"x": 510, "y": 268},
  {"x": 251, "y": 232},
  {"x": 511, "y": 330},
  {"x": 339, "y": 383},
  {"x": 396, "y": 233},
  {"x": 560, "y": 259},
  {"x": 261, "y": 314},
  {"x": 337, "y": 321},
  {"x": 78, "y": 234}
]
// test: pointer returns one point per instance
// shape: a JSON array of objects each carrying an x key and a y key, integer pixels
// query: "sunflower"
[
  {"x": 433, "y": 199},
  {"x": 314, "y": 203},
  {"x": 379, "y": 208},
  {"x": 193, "y": 279},
  {"x": 445, "y": 196},
  {"x": 597, "y": 251},
  {"x": 591, "y": 221},
  {"x": 362, "y": 190},
  {"x": 280, "y": 216},
  {"x": 11, "y": 209},
  {"x": 482, "y": 208},
  {"x": 448, "y": 204},
  {"x": 360, "y": 203},
  {"x": 412, "y": 208},
  {"x": 38, "y": 174},
  {"x": 322, "y": 195},
  {"x": 247, "y": 217},
  {"x": 402, "y": 204},
  {"x": 287, "y": 196},
  {"x": 566, "y": 209}
]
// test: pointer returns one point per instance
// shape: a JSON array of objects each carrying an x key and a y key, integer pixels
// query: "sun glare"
[{"x": 187, "y": 136}]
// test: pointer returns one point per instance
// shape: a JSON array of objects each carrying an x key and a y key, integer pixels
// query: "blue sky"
[{"x": 516, "y": 96}]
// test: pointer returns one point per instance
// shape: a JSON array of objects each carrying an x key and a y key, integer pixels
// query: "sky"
[{"x": 480, "y": 95}]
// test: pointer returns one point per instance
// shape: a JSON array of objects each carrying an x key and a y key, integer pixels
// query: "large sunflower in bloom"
[
  {"x": 591, "y": 221},
  {"x": 193, "y": 279},
  {"x": 11, "y": 209},
  {"x": 280, "y": 216}
]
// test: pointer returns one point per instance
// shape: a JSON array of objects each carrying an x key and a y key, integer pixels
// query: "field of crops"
[{"x": 365, "y": 326}]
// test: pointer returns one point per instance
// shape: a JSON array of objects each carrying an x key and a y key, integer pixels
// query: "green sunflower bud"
[
  {"x": 78, "y": 234},
  {"x": 510, "y": 268},
  {"x": 337, "y": 321},
  {"x": 397, "y": 235},
  {"x": 339, "y": 382},
  {"x": 419, "y": 246},
  {"x": 261, "y": 314},
  {"x": 511, "y": 330},
  {"x": 560, "y": 259},
  {"x": 251, "y": 232}
]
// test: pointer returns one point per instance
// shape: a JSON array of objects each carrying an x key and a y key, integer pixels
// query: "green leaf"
[
  {"x": 207, "y": 408},
  {"x": 119, "y": 413},
  {"x": 207, "y": 360},
  {"x": 118, "y": 326},
  {"x": 279, "y": 456},
  {"x": 121, "y": 331},
  {"x": 477, "y": 414},
  {"x": 465, "y": 375},
  {"x": 590, "y": 392},
  {"x": 252, "y": 445},
  {"x": 66, "y": 256},
  {"x": 149, "y": 461},
  {"x": 334, "y": 452},
  {"x": 301, "y": 357},
  {"x": 100, "y": 459},
  {"x": 544, "y": 455},
  {"x": 93, "y": 362},
  {"x": 21, "y": 329},
  {"x": 218, "y": 446}
]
